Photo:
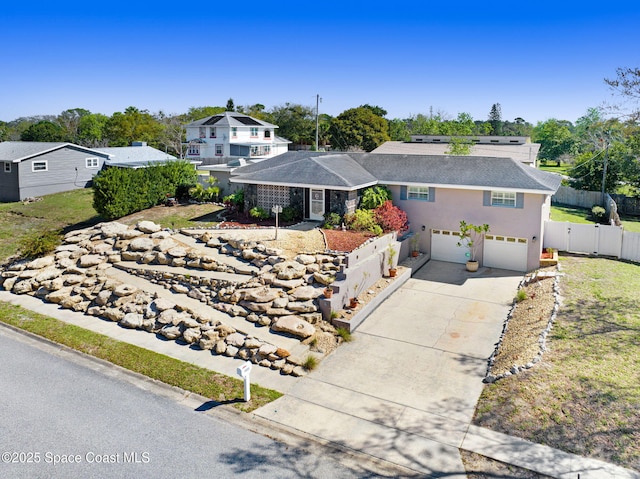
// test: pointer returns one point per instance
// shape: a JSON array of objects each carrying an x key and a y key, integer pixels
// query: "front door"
[{"x": 316, "y": 200}]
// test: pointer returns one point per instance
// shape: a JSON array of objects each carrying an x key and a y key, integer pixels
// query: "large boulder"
[
  {"x": 289, "y": 270},
  {"x": 141, "y": 244},
  {"x": 148, "y": 226},
  {"x": 305, "y": 293},
  {"x": 131, "y": 321},
  {"x": 294, "y": 325}
]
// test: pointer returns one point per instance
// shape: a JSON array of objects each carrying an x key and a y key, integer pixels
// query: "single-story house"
[
  {"x": 519, "y": 148},
  {"x": 30, "y": 168},
  {"x": 138, "y": 155},
  {"x": 437, "y": 192}
]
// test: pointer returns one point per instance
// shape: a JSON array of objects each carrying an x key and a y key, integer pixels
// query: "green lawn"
[
  {"x": 72, "y": 210},
  {"x": 583, "y": 216},
  {"x": 563, "y": 169},
  {"x": 584, "y": 397}
]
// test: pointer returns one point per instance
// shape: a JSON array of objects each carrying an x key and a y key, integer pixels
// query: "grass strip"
[{"x": 220, "y": 388}]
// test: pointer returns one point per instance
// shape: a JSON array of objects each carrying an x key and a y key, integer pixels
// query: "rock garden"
[{"x": 251, "y": 293}]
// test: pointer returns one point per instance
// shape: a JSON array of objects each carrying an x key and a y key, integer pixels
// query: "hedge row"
[{"x": 118, "y": 192}]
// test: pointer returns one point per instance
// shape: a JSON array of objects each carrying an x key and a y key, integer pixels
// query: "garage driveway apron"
[{"x": 405, "y": 389}]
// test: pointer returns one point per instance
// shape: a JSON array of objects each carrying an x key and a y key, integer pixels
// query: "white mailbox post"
[
  {"x": 277, "y": 209},
  {"x": 244, "y": 372}
]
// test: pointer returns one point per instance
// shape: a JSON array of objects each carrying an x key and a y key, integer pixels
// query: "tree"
[
  {"x": 70, "y": 121},
  {"x": 173, "y": 134},
  {"x": 92, "y": 130},
  {"x": 627, "y": 85},
  {"x": 399, "y": 130},
  {"x": 296, "y": 122},
  {"x": 378, "y": 110},
  {"x": 358, "y": 128},
  {"x": 44, "y": 131},
  {"x": 230, "y": 106},
  {"x": 495, "y": 119},
  {"x": 133, "y": 125},
  {"x": 197, "y": 113},
  {"x": 555, "y": 139}
]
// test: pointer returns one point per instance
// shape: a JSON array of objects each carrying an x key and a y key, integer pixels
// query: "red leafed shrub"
[{"x": 390, "y": 217}]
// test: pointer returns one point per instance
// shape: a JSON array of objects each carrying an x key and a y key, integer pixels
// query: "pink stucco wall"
[{"x": 453, "y": 205}]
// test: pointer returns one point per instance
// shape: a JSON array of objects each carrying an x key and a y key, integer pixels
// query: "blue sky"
[{"x": 539, "y": 60}]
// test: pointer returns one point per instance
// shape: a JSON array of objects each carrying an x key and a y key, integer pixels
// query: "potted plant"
[
  {"x": 328, "y": 290},
  {"x": 470, "y": 237},
  {"x": 414, "y": 245},
  {"x": 391, "y": 255},
  {"x": 357, "y": 289}
]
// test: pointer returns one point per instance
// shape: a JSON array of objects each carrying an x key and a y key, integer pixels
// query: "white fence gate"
[{"x": 592, "y": 239}]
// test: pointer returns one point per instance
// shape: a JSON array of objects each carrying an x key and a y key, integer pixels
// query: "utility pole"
[
  {"x": 318, "y": 100},
  {"x": 604, "y": 168}
]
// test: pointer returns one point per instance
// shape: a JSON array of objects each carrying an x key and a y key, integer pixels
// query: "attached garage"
[
  {"x": 505, "y": 252},
  {"x": 444, "y": 247}
]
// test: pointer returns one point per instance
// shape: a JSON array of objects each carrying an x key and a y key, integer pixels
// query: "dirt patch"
[
  {"x": 529, "y": 319},
  {"x": 480, "y": 467}
]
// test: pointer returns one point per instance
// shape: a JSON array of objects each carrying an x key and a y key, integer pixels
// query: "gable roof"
[
  {"x": 526, "y": 152},
  {"x": 230, "y": 118},
  {"x": 132, "y": 156},
  {"x": 17, "y": 151},
  {"x": 469, "y": 172},
  {"x": 333, "y": 171},
  {"x": 340, "y": 171}
]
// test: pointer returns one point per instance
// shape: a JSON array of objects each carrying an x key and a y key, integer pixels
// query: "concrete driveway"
[{"x": 405, "y": 389}]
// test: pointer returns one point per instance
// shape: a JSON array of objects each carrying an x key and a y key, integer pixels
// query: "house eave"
[
  {"x": 469, "y": 187},
  {"x": 304, "y": 185}
]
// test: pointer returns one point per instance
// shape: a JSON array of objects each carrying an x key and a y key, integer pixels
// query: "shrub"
[
  {"x": 521, "y": 295},
  {"x": 374, "y": 197},
  {"x": 291, "y": 213},
  {"x": 598, "y": 213},
  {"x": 310, "y": 363},
  {"x": 118, "y": 192},
  {"x": 390, "y": 217},
  {"x": 235, "y": 201},
  {"x": 363, "y": 220},
  {"x": 331, "y": 220},
  {"x": 40, "y": 244},
  {"x": 202, "y": 194},
  {"x": 344, "y": 334},
  {"x": 258, "y": 213}
]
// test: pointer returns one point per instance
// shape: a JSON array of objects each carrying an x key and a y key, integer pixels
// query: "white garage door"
[
  {"x": 444, "y": 247},
  {"x": 505, "y": 252}
]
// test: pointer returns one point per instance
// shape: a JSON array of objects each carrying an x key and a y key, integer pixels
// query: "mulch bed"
[{"x": 345, "y": 241}]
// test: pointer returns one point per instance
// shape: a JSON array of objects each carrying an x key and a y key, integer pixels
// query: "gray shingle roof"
[
  {"x": 334, "y": 171},
  {"x": 341, "y": 169},
  {"x": 123, "y": 154},
  {"x": 229, "y": 118},
  {"x": 468, "y": 171},
  {"x": 16, "y": 151}
]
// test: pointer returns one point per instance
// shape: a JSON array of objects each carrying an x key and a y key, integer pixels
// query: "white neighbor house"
[{"x": 220, "y": 138}]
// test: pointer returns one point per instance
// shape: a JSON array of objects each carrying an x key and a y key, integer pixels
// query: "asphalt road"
[{"x": 63, "y": 416}]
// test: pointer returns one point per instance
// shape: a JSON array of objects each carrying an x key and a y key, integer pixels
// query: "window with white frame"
[
  {"x": 7, "y": 167},
  {"x": 92, "y": 162},
  {"x": 42, "y": 165},
  {"x": 202, "y": 132},
  {"x": 254, "y": 131},
  {"x": 267, "y": 133},
  {"x": 194, "y": 150},
  {"x": 420, "y": 193},
  {"x": 503, "y": 198},
  {"x": 234, "y": 132},
  {"x": 218, "y": 150},
  {"x": 212, "y": 132}
]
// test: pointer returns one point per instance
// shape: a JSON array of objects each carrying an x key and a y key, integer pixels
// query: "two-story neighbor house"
[
  {"x": 220, "y": 138},
  {"x": 31, "y": 168}
]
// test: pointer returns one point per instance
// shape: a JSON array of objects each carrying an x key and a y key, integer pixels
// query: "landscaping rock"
[{"x": 294, "y": 325}]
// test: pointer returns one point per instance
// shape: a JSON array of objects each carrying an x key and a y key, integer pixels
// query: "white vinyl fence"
[{"x": 592, "y": 239}]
